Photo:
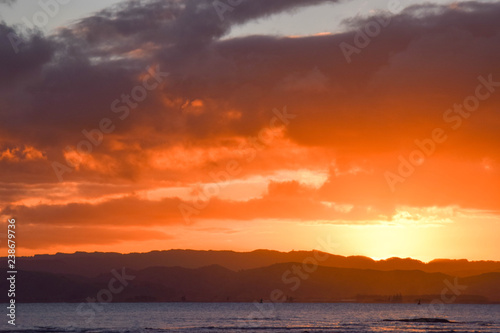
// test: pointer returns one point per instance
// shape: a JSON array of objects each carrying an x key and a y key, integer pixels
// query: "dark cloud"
[
  {"x": 21, "y": 55},
  {"x": 179, "y": 25},
  {"x": 394, "y": 71},
  {"x": 394, "y": 91}
]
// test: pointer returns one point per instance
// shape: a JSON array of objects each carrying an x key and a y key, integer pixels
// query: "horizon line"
[{"x": 375, "y": 259}]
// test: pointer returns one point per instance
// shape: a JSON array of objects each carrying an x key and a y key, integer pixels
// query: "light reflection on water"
[{"x": 247, "y": 317}]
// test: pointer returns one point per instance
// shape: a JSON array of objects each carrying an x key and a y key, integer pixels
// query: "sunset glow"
[{"x": 122, "y": 136}]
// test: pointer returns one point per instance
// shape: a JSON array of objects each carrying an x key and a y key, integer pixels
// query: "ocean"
[{"x": 251, "y": 317}]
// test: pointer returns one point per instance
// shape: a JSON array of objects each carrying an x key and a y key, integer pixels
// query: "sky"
[{"x": 368, "y": 126}]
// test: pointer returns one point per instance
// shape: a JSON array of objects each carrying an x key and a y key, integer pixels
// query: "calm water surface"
[{"x": 248, "y": 317}]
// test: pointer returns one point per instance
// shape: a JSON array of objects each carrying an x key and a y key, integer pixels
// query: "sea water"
[{"x": 250, "y": 317}]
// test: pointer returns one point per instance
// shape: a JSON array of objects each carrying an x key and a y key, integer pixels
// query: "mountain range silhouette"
[{"x": 227, "y": 276}]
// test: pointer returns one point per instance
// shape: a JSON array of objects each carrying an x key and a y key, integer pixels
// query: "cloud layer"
[{"x": 95, "y": 99}]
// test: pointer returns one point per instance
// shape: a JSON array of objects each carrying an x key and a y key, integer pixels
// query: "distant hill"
[
  {"x": 218, "y": 284},
  {"x": 93, "y": 264}
]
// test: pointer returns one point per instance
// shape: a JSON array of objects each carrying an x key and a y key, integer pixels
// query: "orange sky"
[{"x": 131, "y": 135}]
